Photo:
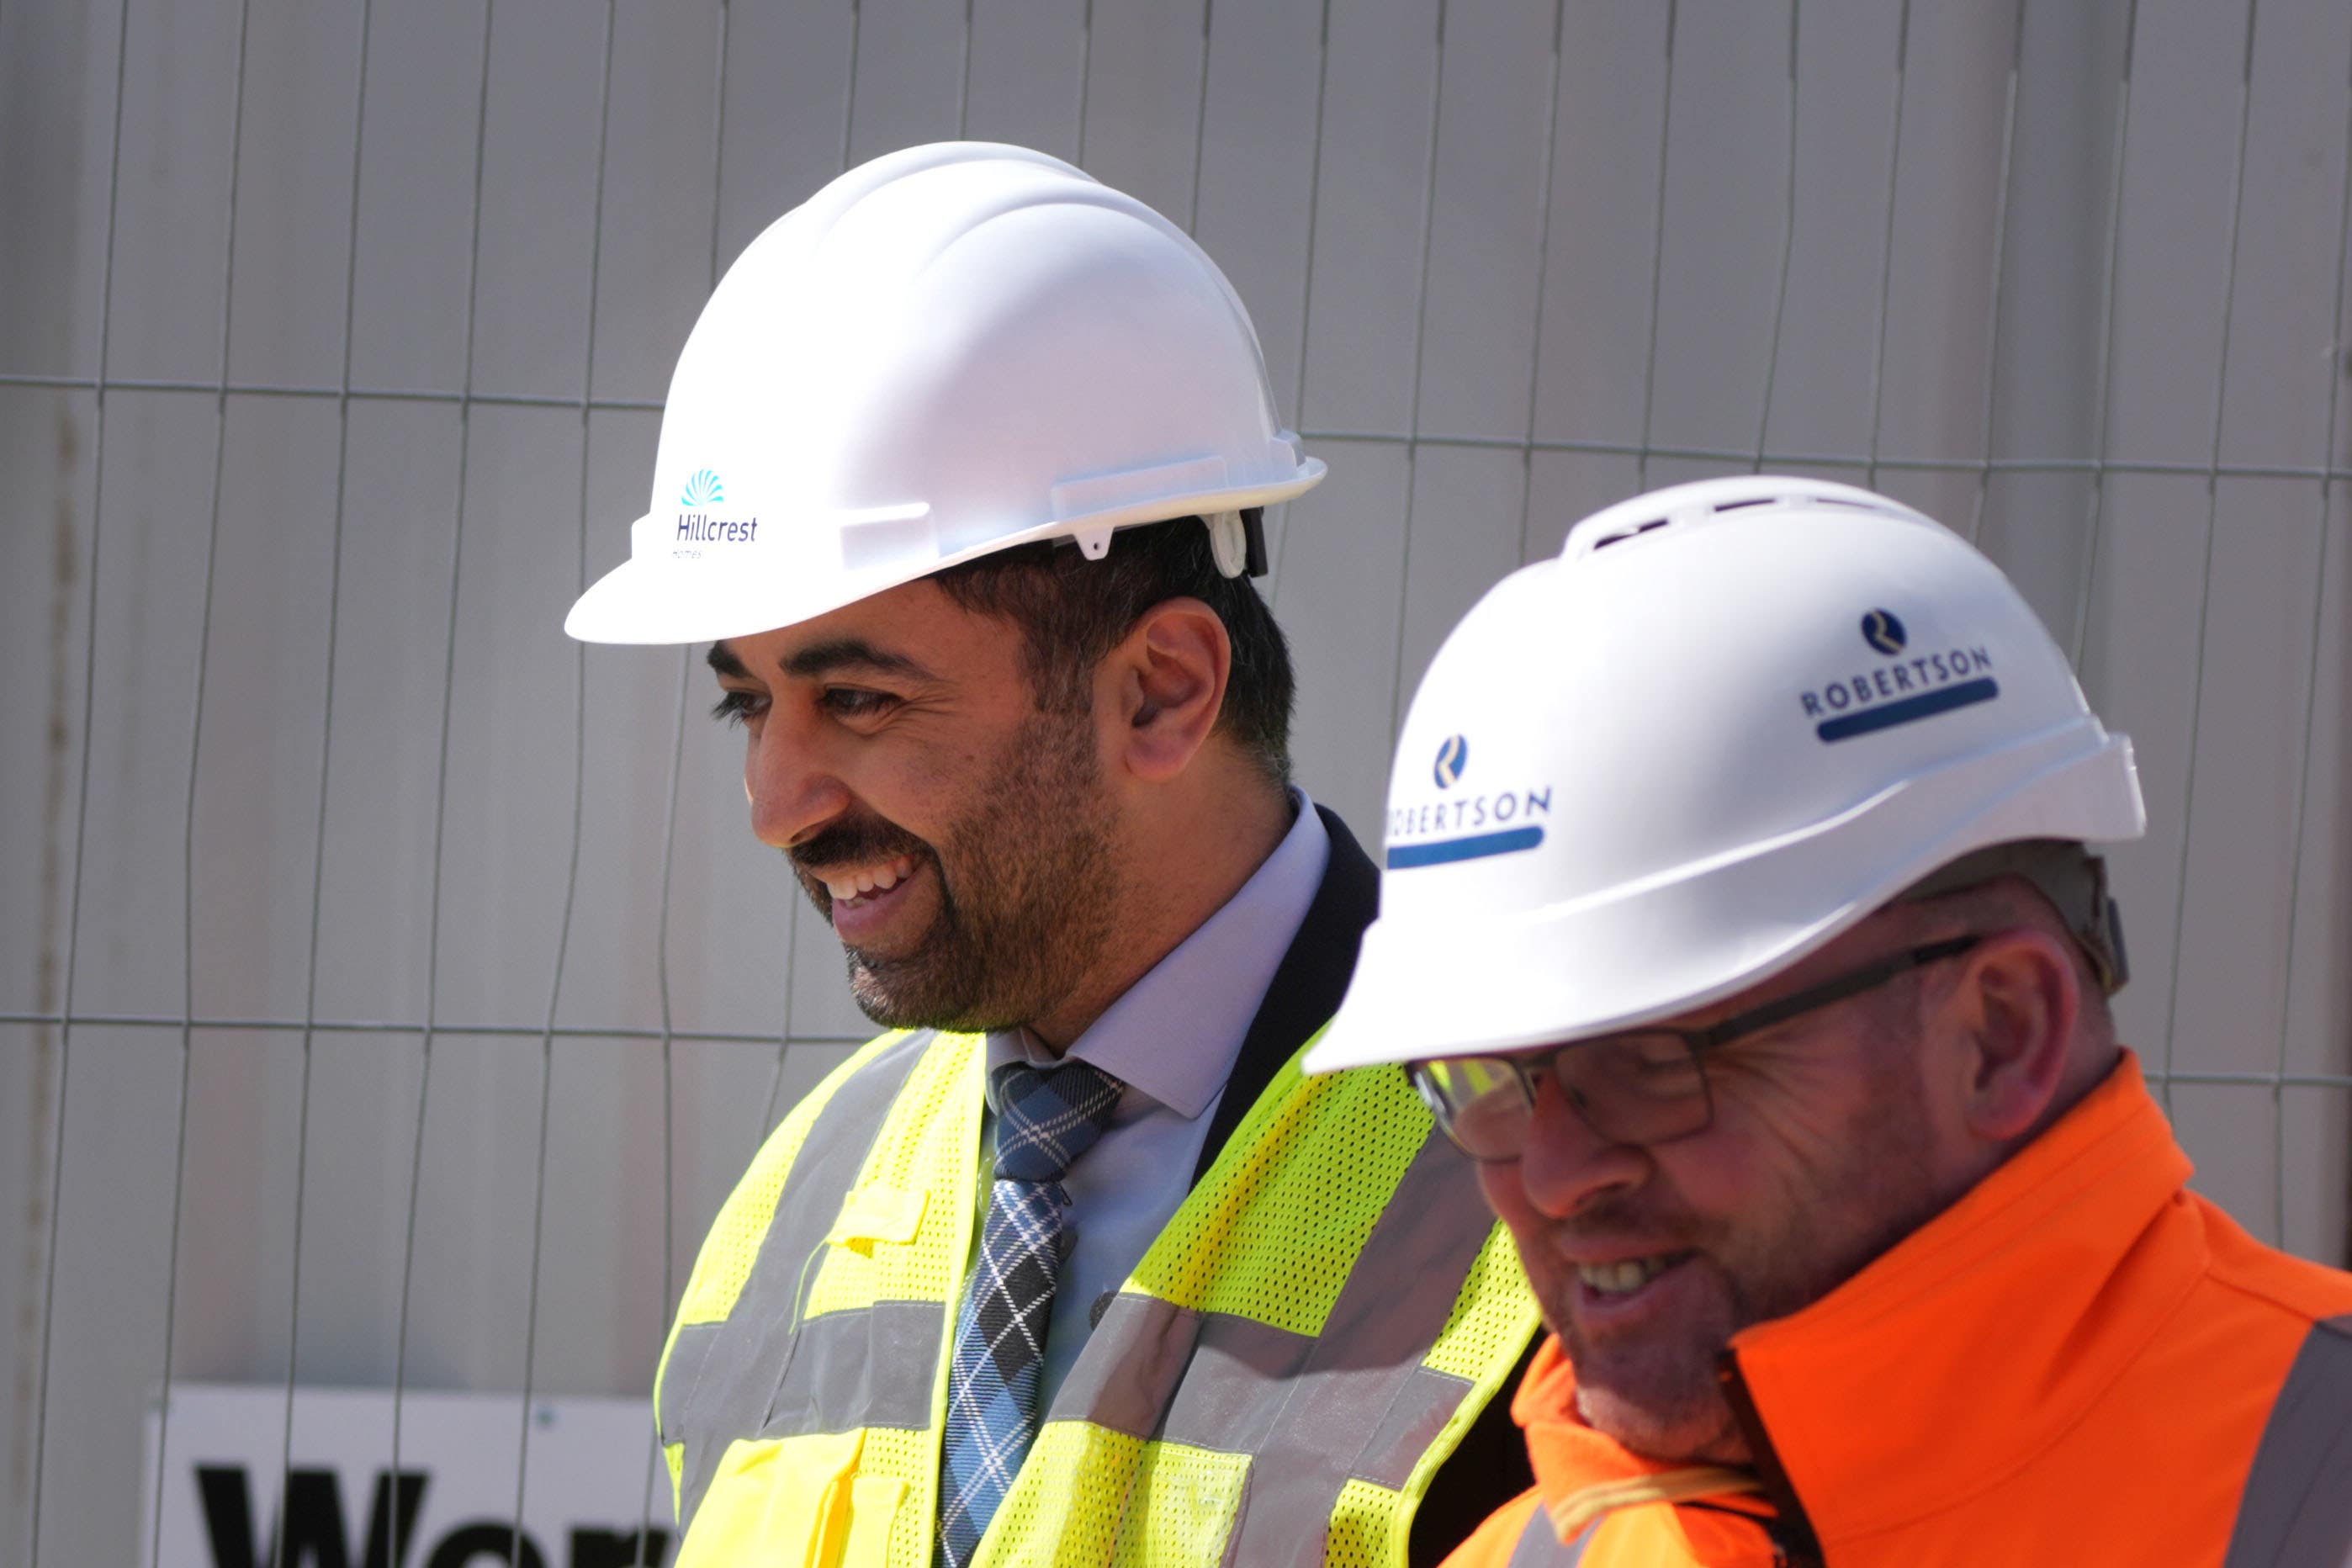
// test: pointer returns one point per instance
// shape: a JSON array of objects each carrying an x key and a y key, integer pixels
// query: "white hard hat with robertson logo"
[
  {"x": 1727, "y": 723},
  {"x": 946, "y": 352}
]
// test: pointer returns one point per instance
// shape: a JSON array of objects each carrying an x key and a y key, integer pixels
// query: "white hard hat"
[
  {"x": 1731, "y": 720},
  {"x": 946, "y": 352}
]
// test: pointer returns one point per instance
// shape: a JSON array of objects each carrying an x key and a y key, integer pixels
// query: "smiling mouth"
[
  {"x": 848, "y": 890},
  {"x": 1625, "y": 1276}
]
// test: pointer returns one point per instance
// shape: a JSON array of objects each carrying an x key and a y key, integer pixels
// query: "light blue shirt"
[{"x": 1171, "y": 1040}]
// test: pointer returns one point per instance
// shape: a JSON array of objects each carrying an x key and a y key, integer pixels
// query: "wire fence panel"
[{"x": 389, "y": 993}]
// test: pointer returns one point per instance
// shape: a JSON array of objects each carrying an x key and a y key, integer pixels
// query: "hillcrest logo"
[{"x": 696, "y": 526}]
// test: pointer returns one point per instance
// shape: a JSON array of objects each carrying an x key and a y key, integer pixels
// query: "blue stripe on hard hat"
[
  {"x": 1910, "y": 708},
  {"x": 1477, "y": 847}
]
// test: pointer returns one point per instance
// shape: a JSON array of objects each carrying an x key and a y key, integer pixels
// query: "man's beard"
[
  {"x": 1660, "y": 1394},
  {"x": 1030, "y": 901}
]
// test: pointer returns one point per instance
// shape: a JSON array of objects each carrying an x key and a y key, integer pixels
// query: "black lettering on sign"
[
  {"x": 497, "y": 1540},
  {"x": 619, "y": 1549},
  {"x": 310, "y": 1531}
]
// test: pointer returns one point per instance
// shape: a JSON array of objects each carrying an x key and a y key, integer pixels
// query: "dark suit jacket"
[{"x": 1490, "y": 1468}]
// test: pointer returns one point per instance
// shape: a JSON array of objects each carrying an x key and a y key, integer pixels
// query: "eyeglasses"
[{"x": 1642, "y": 1086}]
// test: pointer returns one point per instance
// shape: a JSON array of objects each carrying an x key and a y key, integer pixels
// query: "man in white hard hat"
[
  {"x": 1738, "y": 923},
  {"x": 961, "y": 475}
]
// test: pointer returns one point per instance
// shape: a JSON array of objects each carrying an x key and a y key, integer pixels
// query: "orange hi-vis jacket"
[{"x": 2080, "y": 1362}]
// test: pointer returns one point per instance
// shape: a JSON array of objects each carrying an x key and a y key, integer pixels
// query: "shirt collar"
[{"x": 1172, "y": 1036}]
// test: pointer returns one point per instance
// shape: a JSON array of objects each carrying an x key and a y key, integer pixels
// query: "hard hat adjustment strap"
[
  {"x": 1237, "y": 541},
  {"x": 2070, "y": 877}
]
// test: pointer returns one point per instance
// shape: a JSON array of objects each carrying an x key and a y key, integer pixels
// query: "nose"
[
  {"x": 791, "y": 790},
  {"x": 1566, "y": 1165}
]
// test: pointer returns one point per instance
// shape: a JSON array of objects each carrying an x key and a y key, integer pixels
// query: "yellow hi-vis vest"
[{"x": 1299, "y": 1350}]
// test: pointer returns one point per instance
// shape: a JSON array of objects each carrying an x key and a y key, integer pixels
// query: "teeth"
[
  {"x": 855, "y": 885},
  {"x": 1623, "y": 1278}
]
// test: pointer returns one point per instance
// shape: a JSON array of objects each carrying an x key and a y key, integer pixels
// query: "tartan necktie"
[{"x": 1044, "y": 1119}]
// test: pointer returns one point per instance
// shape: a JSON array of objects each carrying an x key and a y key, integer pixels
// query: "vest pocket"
[{"x": 792, "y": 1503}]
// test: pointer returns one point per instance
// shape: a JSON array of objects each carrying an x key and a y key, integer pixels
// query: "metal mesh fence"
[{"x": 363, "y": 950}]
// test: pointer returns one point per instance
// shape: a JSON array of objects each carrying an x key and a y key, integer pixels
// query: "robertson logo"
[
  {"x": 1453, "y": 756},
  {"x": 1433, "y": 832},
  {"x": 1883, "y": 630},
  {"x": 1902, "y": 689}
]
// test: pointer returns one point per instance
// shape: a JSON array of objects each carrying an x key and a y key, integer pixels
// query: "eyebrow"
[{"x": 827, "y": 658}]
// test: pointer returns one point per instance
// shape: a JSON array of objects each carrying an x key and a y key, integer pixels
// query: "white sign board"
[{"x": 581, "y": 1486}]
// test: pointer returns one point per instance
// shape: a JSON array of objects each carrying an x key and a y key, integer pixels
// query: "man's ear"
[
  {"x": 1167, "y": 685},
  {"x": 2013, "y": 1011}
]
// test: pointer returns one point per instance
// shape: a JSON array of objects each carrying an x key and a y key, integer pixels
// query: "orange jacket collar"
[{"x": 1971, "y": 1344}]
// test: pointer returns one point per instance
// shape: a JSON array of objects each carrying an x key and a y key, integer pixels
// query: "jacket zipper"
[{"x": 1794, "y": 1544}]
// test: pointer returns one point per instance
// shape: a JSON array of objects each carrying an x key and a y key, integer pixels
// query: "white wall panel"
[
  {"x": 46, "y": 447},
  {"x": 1486, "y": 220},
  {"x": 788, "y": 82},
  {"x": 1947, "y": 203},
  {"x": 653, "y": 257},
  {"x": 171, "y": 225},
  {"x": 2139, "y": 667},
  {"x": 2252, "y": 683},
  {"x": 417, "y": 194},
  {"x": 2319, "y": 1000},
  {"x": 2180, "y": 165},
  {"x": 1372, "y": 191},
  {"x": 1727, "y": 163},
  {"x": 56, "y": 135},
  {"x": 1605, "y": 196},
  {"x": 1846, "y": 57},
  {"x": 1257, "y": 172},
  {"x": 505, "y": 797},
  {"x": 150, "y": 570},
  {"x": 294, "y": 191},
  {"x": 391, "y": 651},
  {"x": 2290, "y": 253},
  {"x": 1340, "y": 589},
  {"x": 1144, "y": 99},
  {"x": 107, "y": 1315},
  {"x": 909, "y": 74},
  {"x": 539, "y": 189},
  {"x": 1021, "y": 81},
  {"x": 2053, "y": 282},
  {"x": 1462, "y": 538},
  {"x": 253, "y": 834}
]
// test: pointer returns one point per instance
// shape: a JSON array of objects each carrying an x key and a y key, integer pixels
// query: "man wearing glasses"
[{"x": 1754, "y": 955}]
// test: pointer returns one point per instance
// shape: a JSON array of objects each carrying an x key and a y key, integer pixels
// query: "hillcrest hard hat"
[
  {"x": 1727, "y": 723},
  {"x": 946, "y": 352}
]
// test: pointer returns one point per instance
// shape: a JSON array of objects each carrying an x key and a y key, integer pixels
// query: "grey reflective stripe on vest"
[
  {"x": 1540, "y": 1548},
  {"x": 1353, "y": 1402},
  {"x": 760, "y": 1371},
  {"x": 2297, "y": 1506}
]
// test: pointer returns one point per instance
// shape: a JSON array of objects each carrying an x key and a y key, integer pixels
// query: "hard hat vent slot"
[{"x": 1622, "y": 534}]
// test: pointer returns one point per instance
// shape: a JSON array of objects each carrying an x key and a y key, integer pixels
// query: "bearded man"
[
  {"x": 1770, "y": 1002},
  {"x": 970, "y": 456}
]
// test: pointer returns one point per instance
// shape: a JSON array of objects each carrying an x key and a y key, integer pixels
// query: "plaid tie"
[{"x": 1045, "y": 1118}]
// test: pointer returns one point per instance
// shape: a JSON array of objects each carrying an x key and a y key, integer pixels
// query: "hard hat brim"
[
  {"x": 1664, "y": 947},
  {"x": 653, "y": 601}
]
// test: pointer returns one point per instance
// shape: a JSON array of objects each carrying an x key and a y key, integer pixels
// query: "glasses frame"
[{"x": 1523, "y": 1066}]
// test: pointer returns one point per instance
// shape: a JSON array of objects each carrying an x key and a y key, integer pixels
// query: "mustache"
[
  {"x": 861, "y": 842},
  {"x": 1617, "y": 1218}
]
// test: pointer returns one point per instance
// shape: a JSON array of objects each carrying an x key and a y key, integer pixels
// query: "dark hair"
[{"x": 1073, "y": 611}]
